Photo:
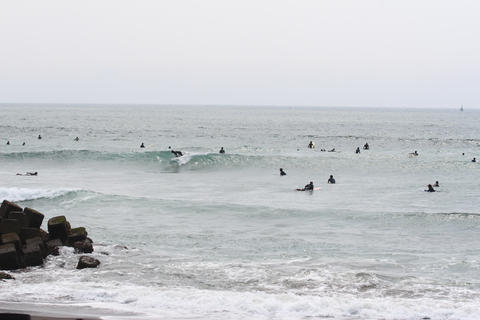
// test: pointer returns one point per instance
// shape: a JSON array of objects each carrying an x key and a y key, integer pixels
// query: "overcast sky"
[{"x": 398, "y": 53}]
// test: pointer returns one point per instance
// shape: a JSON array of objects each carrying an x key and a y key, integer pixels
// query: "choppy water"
[{"x": 211, "y": 236}]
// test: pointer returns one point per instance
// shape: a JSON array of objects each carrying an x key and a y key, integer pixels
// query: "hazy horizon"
[{"x": 308, "y": 53}]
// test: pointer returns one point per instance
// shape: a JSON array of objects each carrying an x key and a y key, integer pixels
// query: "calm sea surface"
[{"x": 223, "y": 236}]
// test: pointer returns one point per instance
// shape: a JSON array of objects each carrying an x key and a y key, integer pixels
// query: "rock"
[
  {"x": 77, "y": 234},
  {"x": 28, "y": 233},
  {"x": 6, "y": 276},
  {"x": 85, "y": 246},
  {"x": 11, "y": 237},
  {"x": 20, "y": 217},
  {"x": 87, "y": 262},
  {"x": 15, "y": 316},
  {"x": 58, "y": 227},
  {"x": 9, "y": 225},
  {"x": 52, "y": 246},
  {"x": 37, "y": 241},
  {"x": 7, "y": 207},
  {"x": 32, "y": 254},
  {"x": 44, "y": 234},
  {"x": 9, "y": 258},
  {"x": 35, "y": 217}
]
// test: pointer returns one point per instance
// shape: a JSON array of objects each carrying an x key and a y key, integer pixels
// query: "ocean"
[{"x": 224, "y": 236}]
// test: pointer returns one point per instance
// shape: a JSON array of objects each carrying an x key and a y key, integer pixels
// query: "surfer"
[
  {"x": 76, "y": 139},
  {"x": 23, "y": 143},
  {"x": 436, "y": 184},
  {"x": 142, "y": 145},
  {"x": 474, "y": 160},
  {"x": 358, "y": 150},
  {"x": 333, "y": 150},
  {"x": 311, "y": 145},
  {"x": 39, "y": 137},
  {"x": 308, "y": 187},
  {"x": 415, "y": 153},
  {"x": 8, "y": 143},
  {"x": 366, "y": 146},
  {"x": 177, "y": 153},
  {"x": 221, "y": 150},
  {"x": 282, "y": 173},
  {"x": 28, "y": 174},
  {"x": 323, "y": 150},
  {"x": 331, "y": 180},
  {"x": 430, "y": 188}
]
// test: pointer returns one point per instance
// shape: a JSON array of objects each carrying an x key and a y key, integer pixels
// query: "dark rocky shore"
[{"x": 23, "y": 243}]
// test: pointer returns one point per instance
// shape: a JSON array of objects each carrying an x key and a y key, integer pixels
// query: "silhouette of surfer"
[
  {"x": 331, "y": 180},
  {"x": 142, "y": 145},
  {"x": 177, "y": 153},
  {"x": 358, "y": 150},
  {"x": 39, "y": 137},
  {"x": 8, "y": 143},
  {"x": 430, "y": 188},
  {"x": 282, "y": 173},
  {"x": 436, "y": 184},
  {"x": 366, "y": 146},
  {"x": 308, "y": 187},
  {"x": 28, "y": 174},
  {"x": 474, "y": 160},
  {"x": 311, "y": 145},
  {"x": 76, "y": 139},
  {"x": 221, "y": 150}
]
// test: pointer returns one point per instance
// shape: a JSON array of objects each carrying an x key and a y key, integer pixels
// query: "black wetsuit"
[
  {"x": 308, "y": 187},
  {"x": 282, "y": 173},
  {"x": 331, "y": 180}
]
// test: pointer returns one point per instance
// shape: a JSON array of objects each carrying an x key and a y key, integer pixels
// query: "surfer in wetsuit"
[
  {"x": 436, "y": 184},
  {"x": 331, "y": 180},
  {"x": 366, "y": 146},
  {"x": 8, "y": 143},
  {"x": 430, "y": 188},
  {"x": 333, "y": 150},
  {"x": 23, "y": 143},
  {"x": 474, "y": 160},
  {"x": 177, "y": 153},
  {"x": 28, "y": 174},
  {"x": 142, "y": 145},
  {"x": 311, "y": 145},
  {"x": 39, "y": 137},
  {"x": 358, "y": 150},
  {"x": 282, "y": 173},
  {"x": 221, "y": 150},
  {"x": 415, "y": 153},
  {"x": 76, "y": 139},
  {"x": 308, "y": 187}
]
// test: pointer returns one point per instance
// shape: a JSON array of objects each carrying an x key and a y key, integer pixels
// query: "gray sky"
[{"x": 399, "y": 53}]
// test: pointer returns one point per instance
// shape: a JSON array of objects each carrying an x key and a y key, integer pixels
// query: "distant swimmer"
[
  {"x": 358, "y": 150},
  {"x": 39, "y": 137},
  {"x": 282, "y": 173},
  {"x": 142, "y": 145},
  {"x": 8, "y": 143},
  {"x": 177, "y": 153},
  {"x": 323, "y": 150},
  {"x": 23, "y": 143},
  {"x": 430, "y": 188},
  {"x": 28, "y": 174},
  {"x": 474, "y": 160},
  {"x": 331, "y": 180},
  {"x": 436, "y": 184},
  {"x": 308, "y": 187},
  {"x": 221, "y": 150},
  {"x": 415, "y": 153},
  {"x": 366, "y": 146},
  {"x": 311, "y": 145},
  {"x": 76, "y": 139},
  {"x": 333, "y": 150}
]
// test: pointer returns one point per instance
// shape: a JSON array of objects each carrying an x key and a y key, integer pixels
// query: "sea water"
[{"x": 224, "y": 236}]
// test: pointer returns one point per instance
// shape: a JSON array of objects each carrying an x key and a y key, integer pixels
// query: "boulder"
[
  {"x": 9, "y": 225},
  {"x": 7, "y": 207},
  {"x": 84, "y": 246},
  {"x": 28, "y": 233},
  {"x": 58, "y": 228},
  {"x": 20, "y": 217},
  {"x": 6, "y": 276},
  {"x": 35, "y": 217},
  {"x": 32, "y": 254},
  {"x": 11, "y": 237},
  {"x": 77, "y": 234},
  {"x": 37, "y": 241},
  {"x": 87, "y": 262},
  {"x": 52, "y": 246},
  {"x": 44, "y": 234},
  {"x": 9, "y": 257}
]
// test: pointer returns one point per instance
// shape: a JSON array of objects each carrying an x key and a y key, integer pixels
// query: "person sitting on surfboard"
[
  {"x": 366, "y": 146},
  {"x": 282, "y": 173},
  {"x": 415, "y": 153},
  {"x": 430, "y": 188},
  {"x": 331, "y": 180},
  {"x": 311, "y": 145},
  {"x": 142, "y": 145},
  {"x": 436, "y": 184},
  {"x": 221, "y": 150},
  {"x": 474, "y": 160},
  {"x": 358, "y": 150},
  {"x": 309, "y": 186}
]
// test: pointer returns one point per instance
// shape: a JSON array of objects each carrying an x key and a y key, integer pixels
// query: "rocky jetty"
[{"x": 24, "y": 243}]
